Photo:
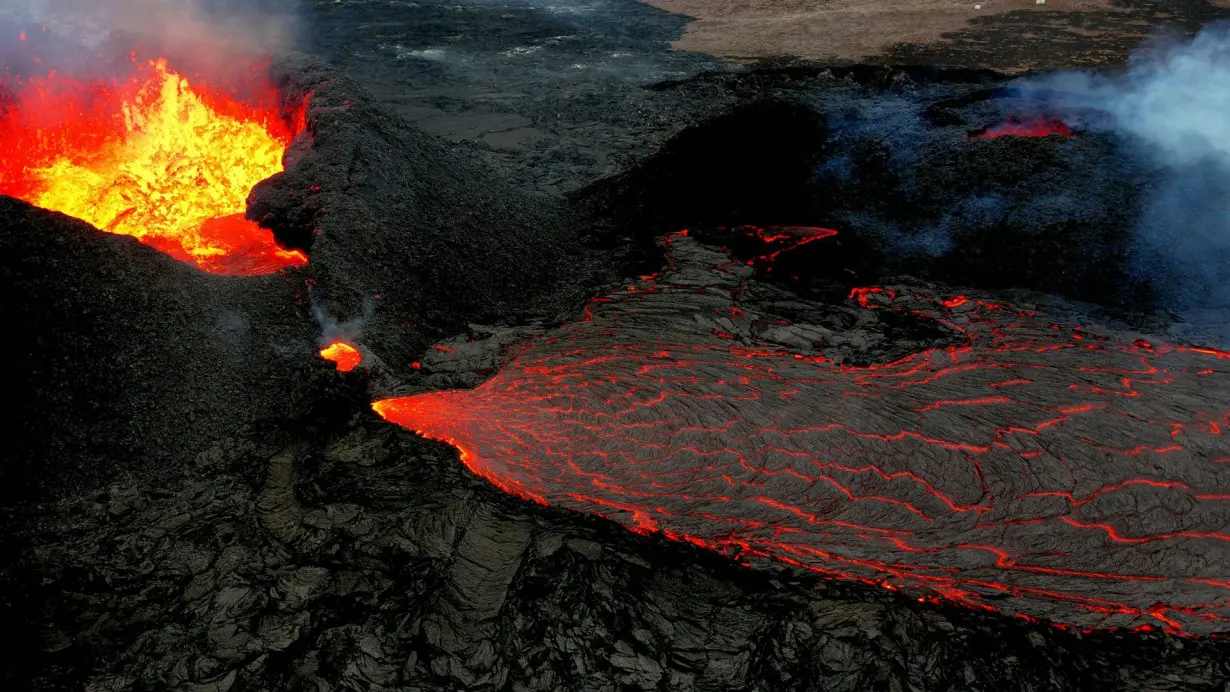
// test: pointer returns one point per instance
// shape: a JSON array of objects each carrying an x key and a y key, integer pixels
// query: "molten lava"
[
  {"x": 153, "y": 157},
  {"x": 346, "y": 356},
  {"x": 1026, "y": 127},
  {"x": 1040, "y": 468}
]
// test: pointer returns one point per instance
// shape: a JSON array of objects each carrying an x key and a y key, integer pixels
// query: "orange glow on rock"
[
  {"x": 346, "y": 356},
  {"x": 152, "y": 157}
]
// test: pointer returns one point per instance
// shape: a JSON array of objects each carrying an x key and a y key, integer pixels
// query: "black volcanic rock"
[
  {"x": 354, "y": 555},
  {"x": 748, "y": 164},
  {"x": 122, "y": 360},
  {"x": 413, "y": 235},
  {"x": 909, "y": 194}
]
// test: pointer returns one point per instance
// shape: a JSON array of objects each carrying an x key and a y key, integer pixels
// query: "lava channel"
[
  {"x": 152, "y": 157},
  {"x": 346, "y": 357},
  {"x": 1026, "y": 127},
  {"x": 1038, "y": 469}
]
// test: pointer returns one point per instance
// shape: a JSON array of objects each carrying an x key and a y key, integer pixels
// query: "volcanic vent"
[
  {"x": 1037, "y": 468},
  {"x": 152, "y": 155}
]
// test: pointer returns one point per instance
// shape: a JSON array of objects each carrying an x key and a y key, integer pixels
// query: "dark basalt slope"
[
  {"x": 887, "y": 159},
  {"x": 406, "y": 233},
  {"x": 748, "y": 165},
  {"x": 122, "y": 360}
]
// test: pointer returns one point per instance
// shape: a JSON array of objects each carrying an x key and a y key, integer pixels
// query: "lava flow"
[
  {"x": 1026, "y": 127},
  {"x": 153, "y": 157},
  {"x": 346, "y": 357},
  {"x": 1039, "y": 469}
]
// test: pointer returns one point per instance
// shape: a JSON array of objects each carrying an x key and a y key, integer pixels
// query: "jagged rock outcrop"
[
  {"x": 427, "y": 578},
  {"x": 408, "y": 233},
  {"x": 123, "y": 360}
]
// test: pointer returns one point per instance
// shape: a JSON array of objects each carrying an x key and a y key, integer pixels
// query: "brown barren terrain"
[{"x": 1010, "y": 35}]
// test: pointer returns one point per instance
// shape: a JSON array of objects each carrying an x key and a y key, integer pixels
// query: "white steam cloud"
[
  {"x": 254, "y": 25},
  {"x": 331, "y": 329},
  {"x": 1173, "y": 102}
]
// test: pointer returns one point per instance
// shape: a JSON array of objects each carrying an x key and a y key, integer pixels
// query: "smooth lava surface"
[{"x": 1040, "y": 469}]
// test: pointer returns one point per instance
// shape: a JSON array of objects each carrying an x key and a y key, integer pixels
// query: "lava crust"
[{"x": 1040, "y": 468}]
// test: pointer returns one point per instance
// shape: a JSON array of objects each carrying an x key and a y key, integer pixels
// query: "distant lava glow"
[
  {"x": 1039, "y": 469},
  {"x": 1026, "y": 127},
  {"x": 151, "y": 157},
  {"x": 346, "y": 357}
]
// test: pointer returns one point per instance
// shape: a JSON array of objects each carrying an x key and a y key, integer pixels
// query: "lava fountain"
[
  {"x": 1039, "y": 468},
  {"x": 154, "y": 157}
]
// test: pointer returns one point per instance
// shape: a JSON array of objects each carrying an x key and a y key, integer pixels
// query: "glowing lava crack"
[
  {"x": 1040, "y": 469},
  {"x": 1026, "y": 127},
  {"x": 151, "y": 157}
]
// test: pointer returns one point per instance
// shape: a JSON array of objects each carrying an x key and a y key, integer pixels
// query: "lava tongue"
[{"x": 989, "y": 473}]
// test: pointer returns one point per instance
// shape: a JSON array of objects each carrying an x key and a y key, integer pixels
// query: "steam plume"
[
  {"x": 331, "y": 329},
  {"x": 1173, "y": 102},
  {"x": 224, "y": 25}
]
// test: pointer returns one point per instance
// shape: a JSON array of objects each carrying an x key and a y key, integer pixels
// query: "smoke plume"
[
  {"x": 208, "y": 28},
  {"x": 1172, "y": 103},
  {"x": 332, "y": 329}
]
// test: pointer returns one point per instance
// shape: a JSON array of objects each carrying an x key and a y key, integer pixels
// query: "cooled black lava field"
[{"x": 550, "y": 358}]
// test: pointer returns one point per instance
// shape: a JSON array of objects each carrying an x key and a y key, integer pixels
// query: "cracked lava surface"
[{"x": 1039, "y": 469}]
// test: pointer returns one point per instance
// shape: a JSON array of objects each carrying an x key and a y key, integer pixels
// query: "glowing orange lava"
[
  {"x": 153, "y": 157},
  {"x": 346, "y": 356}
]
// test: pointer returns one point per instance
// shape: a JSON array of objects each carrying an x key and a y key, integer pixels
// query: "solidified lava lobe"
[
  {"x": 153, "y": 157},
  {"x": 1039, "y": 469},
  {"x": 346, "y": 357},
  {"x": 1026, "y": 127}
]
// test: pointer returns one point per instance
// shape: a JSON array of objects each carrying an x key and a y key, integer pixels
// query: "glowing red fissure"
[
  {"x": 1027, "y": 127},
  {"x": 1039, "y": 468}
]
